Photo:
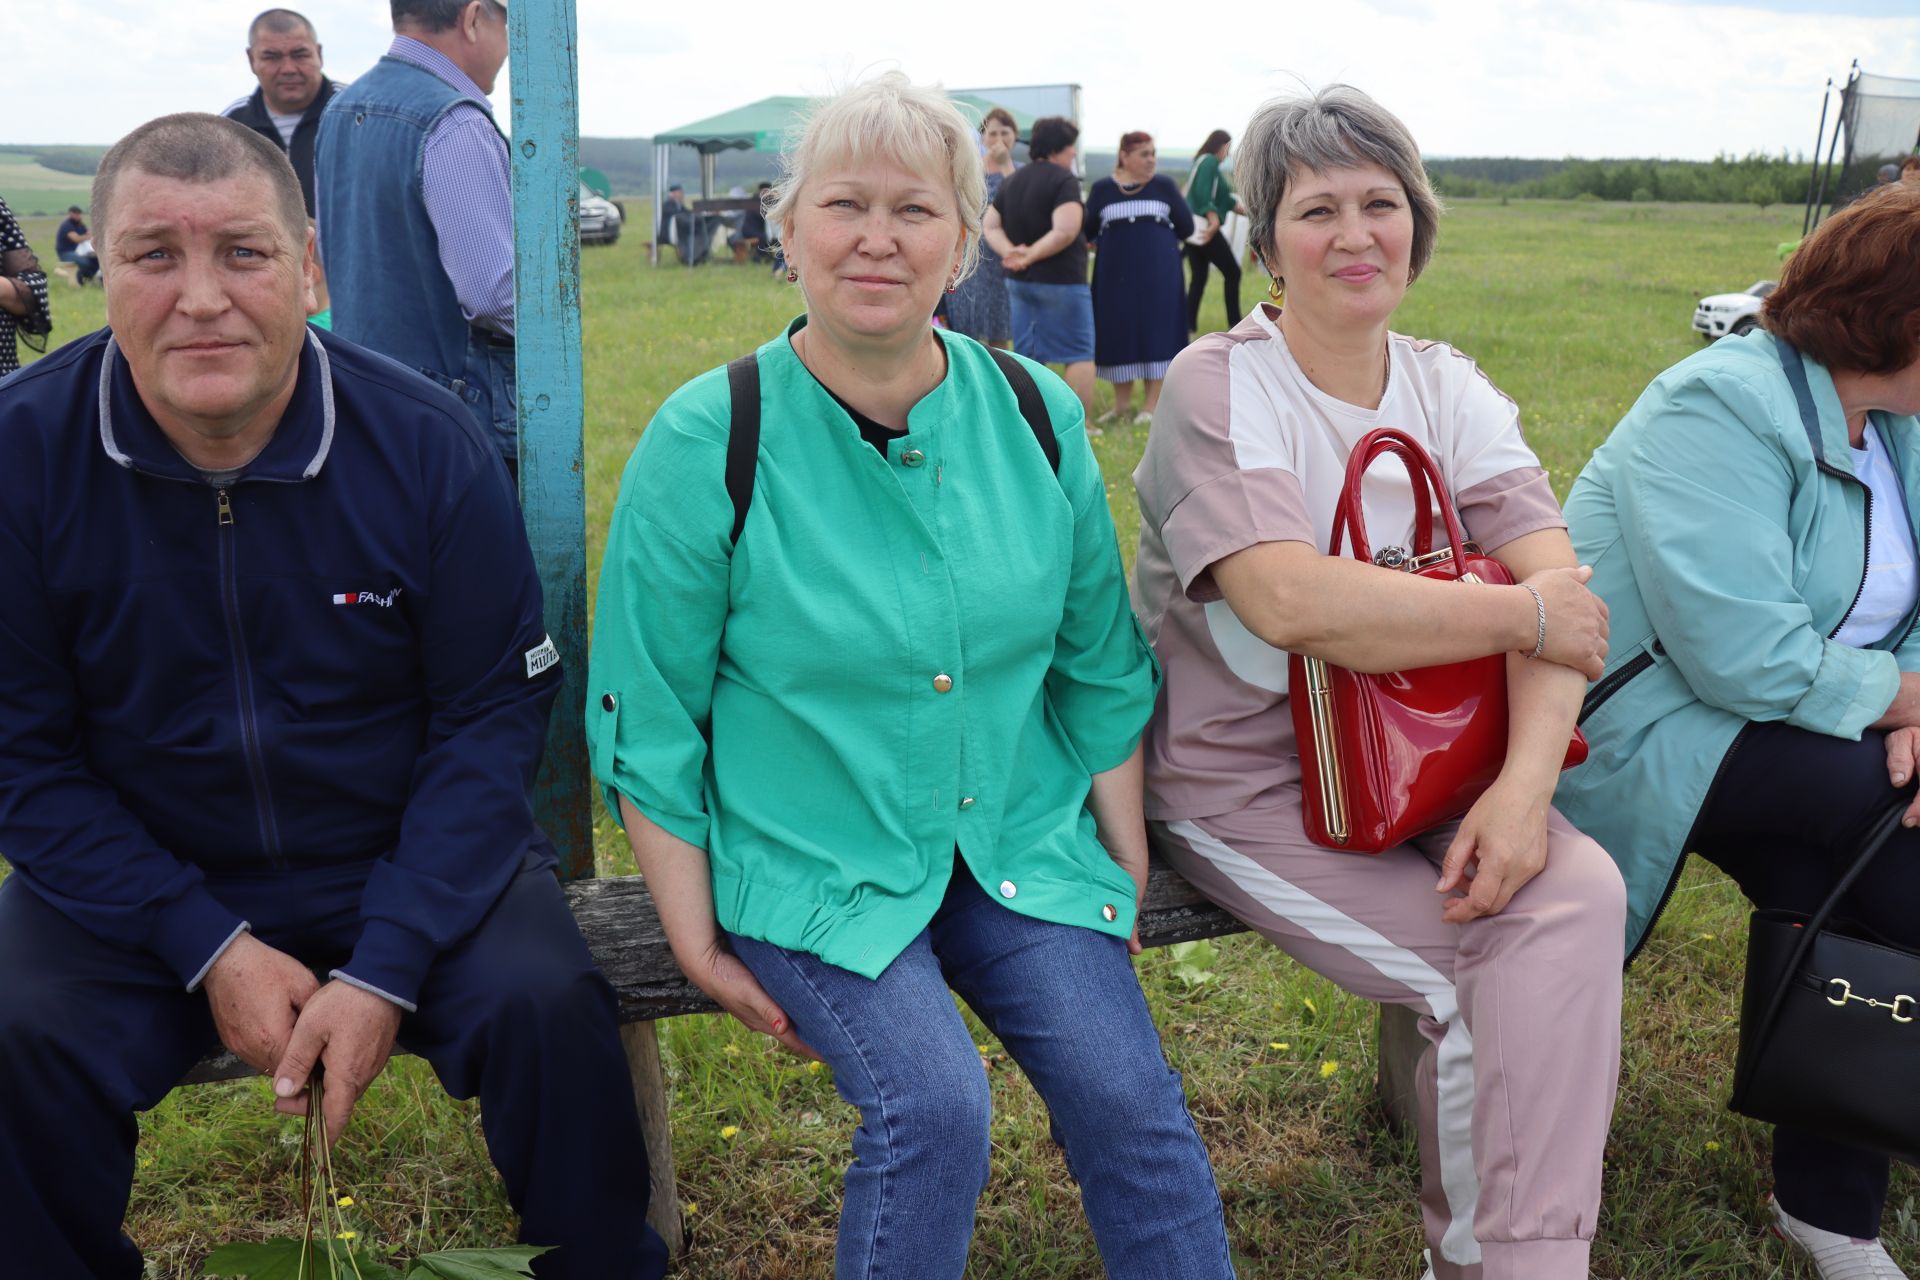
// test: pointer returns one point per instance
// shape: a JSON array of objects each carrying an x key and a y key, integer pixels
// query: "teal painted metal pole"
[{"x": 546, "y": 200}]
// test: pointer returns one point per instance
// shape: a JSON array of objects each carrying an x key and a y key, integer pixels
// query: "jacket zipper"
[
  {"x": 1686, "y": 847},
  {"x": 1614, "y": 683},
  {"x": 243, "y": 687}
]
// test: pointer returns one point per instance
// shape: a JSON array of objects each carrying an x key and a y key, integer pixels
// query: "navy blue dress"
[
  {"x": 979, "y": 307},
  {"x": 1139, "y": 303}
]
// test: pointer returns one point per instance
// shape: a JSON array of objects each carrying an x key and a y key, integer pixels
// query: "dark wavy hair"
[
  {"x": 1847, "y": 295},
  {"x": 1215, "y": 140},
  {"x": 1051, "y": 135},
  {"x": 1130, "y": 141}
]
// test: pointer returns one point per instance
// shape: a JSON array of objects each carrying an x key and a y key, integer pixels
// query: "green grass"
[
  {"x": 33, "y": 190},
  {"x": 1571, "y": 308}
]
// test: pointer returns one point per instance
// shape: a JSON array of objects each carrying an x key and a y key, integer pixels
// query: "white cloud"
[{"x": 1471, "y": 77}]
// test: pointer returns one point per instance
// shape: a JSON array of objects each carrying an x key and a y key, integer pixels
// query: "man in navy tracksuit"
[{"x": 273, "y": 688}]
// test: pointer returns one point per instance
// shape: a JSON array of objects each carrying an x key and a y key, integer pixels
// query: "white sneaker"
[{"x": 1835, "y": 1257}]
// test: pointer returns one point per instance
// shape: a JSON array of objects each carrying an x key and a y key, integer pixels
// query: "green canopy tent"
[{"x": 763, "y": 126}]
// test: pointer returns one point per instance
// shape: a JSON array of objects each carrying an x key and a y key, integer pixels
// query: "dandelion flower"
[
  {"x": 983, "y": 1048},
  {"x": 813, "y": 1068},
  {"x": 730, "y": 1130},
  {"x": 731, "y": 1050},
  {"x": 346, "y": 1202},
  {"x": 1328, "y": 1068},
  {"x": 1713, "y": 1146},
  {"x": 347, "y": 1235},
  {"x": 690, "y": 1208}
]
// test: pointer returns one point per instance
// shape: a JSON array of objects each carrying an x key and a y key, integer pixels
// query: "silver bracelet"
[{"x": 1540, "y": 608}]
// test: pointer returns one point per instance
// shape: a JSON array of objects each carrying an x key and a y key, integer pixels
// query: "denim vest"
[{"x": 382, "y": 254}]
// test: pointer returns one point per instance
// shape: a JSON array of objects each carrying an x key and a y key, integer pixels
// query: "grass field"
[
  {"x": 31, "y": 189},
  {"x": 1571, "y": 308}
]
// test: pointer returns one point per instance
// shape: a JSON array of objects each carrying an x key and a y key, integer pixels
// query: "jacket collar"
[
  {"x": 256, "y": 106},
  {"x": 297, "y": 450}
]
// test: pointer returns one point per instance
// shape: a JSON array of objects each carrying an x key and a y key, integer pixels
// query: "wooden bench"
[{"x": 623, "y": 931}]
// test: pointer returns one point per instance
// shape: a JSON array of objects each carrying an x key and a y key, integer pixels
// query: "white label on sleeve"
[{"x": 542, "y": 656}]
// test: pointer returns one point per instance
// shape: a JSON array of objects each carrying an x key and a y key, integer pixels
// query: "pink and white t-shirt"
[{"x": 1244, "y": 450}]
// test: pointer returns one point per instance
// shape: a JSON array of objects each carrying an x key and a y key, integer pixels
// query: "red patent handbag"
[{"x": 1386, "y": 756}]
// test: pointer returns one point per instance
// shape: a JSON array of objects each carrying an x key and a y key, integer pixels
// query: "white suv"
[{"x": 1735, "y": 313}]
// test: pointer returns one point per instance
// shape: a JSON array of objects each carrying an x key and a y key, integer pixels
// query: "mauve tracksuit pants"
[{"x": 1521, "y": 1011}]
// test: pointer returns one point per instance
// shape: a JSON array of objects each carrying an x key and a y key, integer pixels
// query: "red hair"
[
  {"x": 1848, "y": 294},
  {"x": 1133, "y": 141}
]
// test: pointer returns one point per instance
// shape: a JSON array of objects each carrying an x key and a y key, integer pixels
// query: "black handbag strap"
[{"x": 1877, "y": 833}]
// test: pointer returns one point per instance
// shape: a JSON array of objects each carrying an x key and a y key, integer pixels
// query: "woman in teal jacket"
[
  {"x": 872, "y": 719},
  {"x": 1749, "y": 527}
]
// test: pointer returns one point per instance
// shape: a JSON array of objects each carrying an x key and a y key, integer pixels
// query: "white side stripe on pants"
[{"x": 1454, "y": 1058}]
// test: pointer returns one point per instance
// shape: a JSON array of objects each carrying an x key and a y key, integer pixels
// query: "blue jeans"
[{"x": 1065, "y": 1002}]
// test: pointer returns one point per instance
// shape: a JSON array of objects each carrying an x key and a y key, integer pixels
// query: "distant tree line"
[{"x": 1758, "y": 179}]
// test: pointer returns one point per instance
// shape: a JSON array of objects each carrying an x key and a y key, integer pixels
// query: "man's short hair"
[
  {"x": 195, "y": 147},
  {"x": 435, "y": 15},
  {"x": 73, "y": 208},
  {"x": 1050, "y": 136},
  {"x": 280, "y": 22},
  {"x": 1846, "y": 295}
]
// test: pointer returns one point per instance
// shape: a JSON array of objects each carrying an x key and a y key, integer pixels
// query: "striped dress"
[{"x": 1139, "y": 310}]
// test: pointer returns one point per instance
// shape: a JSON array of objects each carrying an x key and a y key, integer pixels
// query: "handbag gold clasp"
[
  {"x": 1840, "y": 992},
  {"x": 1326, "y": 750}
]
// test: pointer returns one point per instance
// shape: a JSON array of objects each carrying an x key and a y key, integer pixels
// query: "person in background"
[
  {"x": 1885, "y": 174},
  {"x": 1136, "y": 220},
  {"x": 750, "y": 244},
  {"x": 1036, "y": 224},
  {"x": 315, "y": 760},
  {"x": 978, "y": 307},
  {"x": 416, "y": 210},
  {"x": 284, "y": 55},
  {"x": 1211, "y": 197},
  {"x": 68, "y": 238},
  {"x": 23, "y": 294},
  {"x": 1751, "y": 526},
  {"x": 1502, "y": 930},
  {"x": 884, "y": 745}
]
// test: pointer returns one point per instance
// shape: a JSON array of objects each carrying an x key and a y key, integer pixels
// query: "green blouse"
[
  {"x": 1208, "y": 190},
  {"x": 902, "y": 656}
]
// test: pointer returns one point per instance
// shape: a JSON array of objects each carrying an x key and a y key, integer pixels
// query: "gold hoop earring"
[{"x": 1277, "y": 290}]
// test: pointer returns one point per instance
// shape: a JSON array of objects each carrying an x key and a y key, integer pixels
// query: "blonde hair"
[{"x": 889, "y": 116}]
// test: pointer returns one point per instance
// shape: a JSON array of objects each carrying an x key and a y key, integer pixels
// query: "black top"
[
  {"x": 1026, "y": 203},
  {"x": 872, "y": 432}
]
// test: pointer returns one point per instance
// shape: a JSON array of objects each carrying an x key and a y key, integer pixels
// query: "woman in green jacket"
[
  {"x": 1750, "y": 524},
  {"x": 873, "y": 721},
  {"x": 1211, "y": 198}
]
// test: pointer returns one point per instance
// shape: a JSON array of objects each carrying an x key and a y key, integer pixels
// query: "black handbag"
[{"x": 1830, "y": 1022}]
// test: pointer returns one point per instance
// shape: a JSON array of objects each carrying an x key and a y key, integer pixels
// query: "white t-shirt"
[
  {"x": 1892, "y": 580},
  {"x": 286, "y": 125}
]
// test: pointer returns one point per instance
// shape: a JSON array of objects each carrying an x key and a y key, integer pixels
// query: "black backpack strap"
[
  {"x": 1033, "y": 407},
  {"x": 743, "y": 436}
]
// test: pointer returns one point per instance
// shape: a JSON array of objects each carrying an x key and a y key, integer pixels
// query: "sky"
[{"x": 1686, "y": 79}]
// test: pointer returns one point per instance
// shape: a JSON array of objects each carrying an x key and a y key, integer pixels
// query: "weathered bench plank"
[{"x": 623, "y": 931}]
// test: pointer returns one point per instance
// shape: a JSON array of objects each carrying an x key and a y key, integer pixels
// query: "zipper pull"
[{"x": 226, "y": 508}]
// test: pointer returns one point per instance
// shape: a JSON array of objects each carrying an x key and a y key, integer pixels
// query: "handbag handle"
[
  {"x": 1428, "y": 489},
  {"x": 1878, "y": 832}
]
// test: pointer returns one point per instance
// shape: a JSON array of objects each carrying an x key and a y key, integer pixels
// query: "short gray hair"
[
  {"x": 435, "y": 15},
  {"x": 1337, "y": 128},
  {"x": 889, "y": 116},
  {"x": 194, "y": 147},
  {"x": 280, "y": 22}
]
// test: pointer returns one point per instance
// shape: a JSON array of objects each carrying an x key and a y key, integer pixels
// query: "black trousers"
[
  {"x": 1784, "y": 823},
  {"x": 515, "y": 1013},
  {"x": 1219, "y": 253}
]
